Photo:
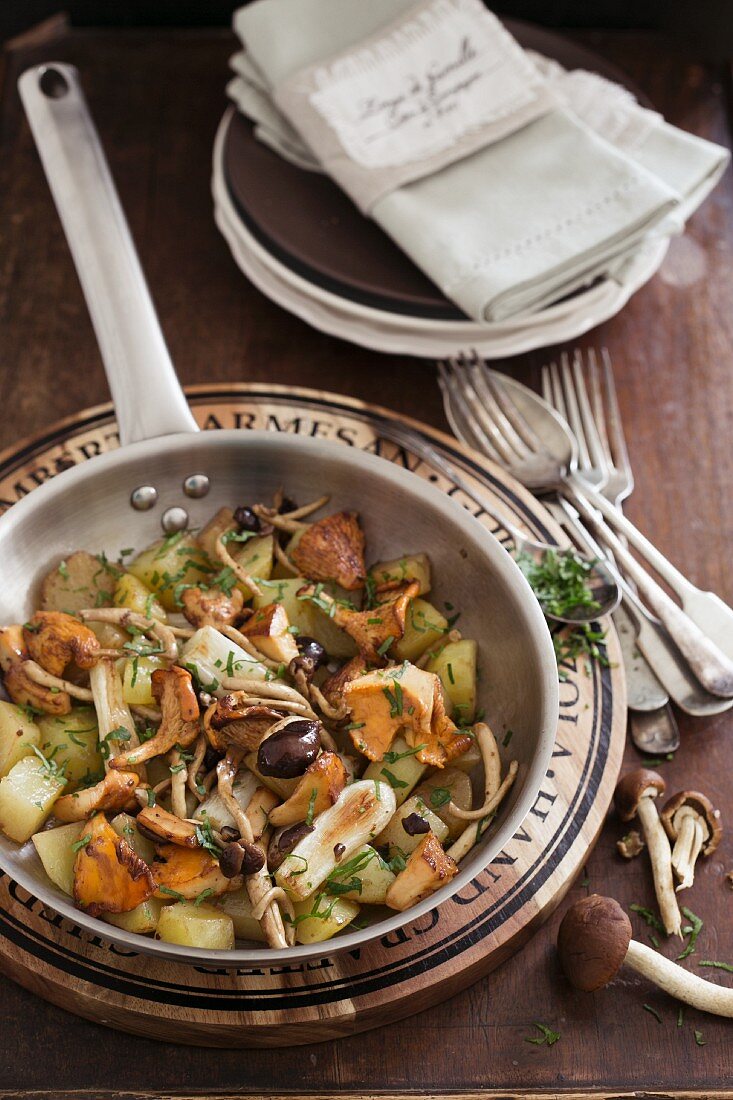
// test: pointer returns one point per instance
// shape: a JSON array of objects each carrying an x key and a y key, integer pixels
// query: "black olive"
[
  {"x": 246, "y": 519},
  {"x": 312, "y": 650},
  {"x": 338, "y": 851},
  {"x": 287, "y": 753},
  {"x": 414, "y": 824},
  {"x": 288, "y": 505},
  {"x": 283, "y": 843}
]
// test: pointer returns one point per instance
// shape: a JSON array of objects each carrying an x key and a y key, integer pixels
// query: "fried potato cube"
[
  {"x": 27, "y": 795},
  {"x": 18, "y": 734},
  {"x": 269, "y": 630},
  {"x": 56, "y": 852},
  {"x": 192, "y": 925},
  {"x": 318, "y": 922},
  {"x": 455, "y": 664},
  {"x": 428, "y": 868}
]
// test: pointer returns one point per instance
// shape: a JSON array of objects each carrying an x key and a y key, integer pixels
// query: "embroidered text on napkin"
[{"x": 435, "y": 85}]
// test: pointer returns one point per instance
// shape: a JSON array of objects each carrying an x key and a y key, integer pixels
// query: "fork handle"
[
  {"x": 711, "y": 666},
  {"x": 613, "y": 515}
]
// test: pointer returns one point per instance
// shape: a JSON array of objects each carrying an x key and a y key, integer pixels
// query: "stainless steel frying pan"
[{"x": 90, "y": 506}]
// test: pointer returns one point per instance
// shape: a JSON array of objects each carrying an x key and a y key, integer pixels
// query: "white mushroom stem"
[
  {"x": 283, "y": 559},
  {"x": 194, "y": 768},
  {"x": 241, "y": 574},
  {"x": 178, "y": 784},
  {"x": 490, "y": 806},
  {"x": 122, "y": 616},
  {"x": 288, "y": 521},
  {"x": 259, "y": 884},
  {"x": 661, "y": 859},
  {"x": 492, "y": 782},
  {"x": 182, "y": 631},
  {"x": 268, "y": 689},
  {"x": 318, "y": 699},
  {"x": 40, "y": 676},
  {"x": 679, "y": 983},
  {"x": 112, "y": 710},
  {"x": 244, "y": 643},
  {"x": 687, "y": 847}
]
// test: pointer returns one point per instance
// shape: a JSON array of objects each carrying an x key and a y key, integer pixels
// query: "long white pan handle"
[{"x": 147, "y": 397}]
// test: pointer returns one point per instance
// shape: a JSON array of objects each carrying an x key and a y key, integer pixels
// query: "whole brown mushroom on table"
[
  {"x": 635, "y": 796},
  {"x": 693, "y": 825},
  {"x": 594, "y": 942}
]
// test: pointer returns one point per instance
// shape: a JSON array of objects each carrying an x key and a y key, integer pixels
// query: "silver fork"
[
  {"x": 489, "y": 415},
  {"x": 592, "y": 383},
  {"x": 598, "y": 422},
  {"x": 588, "y": 386}
]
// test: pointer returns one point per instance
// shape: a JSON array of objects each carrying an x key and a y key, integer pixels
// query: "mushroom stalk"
[
  {"x": 635, "y": 796},
  {"x": 259, "y": 887},
  {"x": 112, "y": 710},
  {"x": 686, "y": 849},
  {"x": 679, "y": 983},
  {"x": 122, "y": 616},
  {"x": 660, "y": 856},
  {"x": 56, "y": 683},
  {"x": 492, "y": 782}
]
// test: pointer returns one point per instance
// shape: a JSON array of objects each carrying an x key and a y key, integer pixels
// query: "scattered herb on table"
[
  {"x": 653, "y": 1012},
  {"x": 547, "y": 1036},
  {"x": 650, "y": 917},
  {"x": 699, "y": 1039},
  {"x": 717, "y": 965},
  {"x": 692, "y": 930}
]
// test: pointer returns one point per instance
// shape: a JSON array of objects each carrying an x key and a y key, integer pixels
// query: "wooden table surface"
[{"x": 157, "y": 98}]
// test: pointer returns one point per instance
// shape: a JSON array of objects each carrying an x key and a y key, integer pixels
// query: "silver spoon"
[{"x": 600, "y": 579}]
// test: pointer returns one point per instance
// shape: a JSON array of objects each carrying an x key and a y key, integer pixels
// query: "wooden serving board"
[{"x": 427, "y": 960}]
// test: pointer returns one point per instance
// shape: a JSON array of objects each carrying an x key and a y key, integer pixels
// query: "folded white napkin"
[{"x": 509, "y": 226}]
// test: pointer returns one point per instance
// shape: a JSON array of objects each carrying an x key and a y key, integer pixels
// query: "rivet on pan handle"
[{"x": 148, "y": 399}]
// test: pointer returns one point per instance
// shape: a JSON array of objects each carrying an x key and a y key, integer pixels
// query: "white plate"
[{"x": 404, "y": 335}]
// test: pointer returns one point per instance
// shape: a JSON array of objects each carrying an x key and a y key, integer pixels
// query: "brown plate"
[{"x": 310, "y": 225}]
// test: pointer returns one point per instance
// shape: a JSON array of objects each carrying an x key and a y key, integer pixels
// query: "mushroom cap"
[
  {"x": 592, "y": 942},
  {"x": 631, "y": 788},
  {"x": 702, "y": 805}
]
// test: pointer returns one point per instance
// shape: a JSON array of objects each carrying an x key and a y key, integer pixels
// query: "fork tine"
[
  {"x": 456, "y": 388},
  {"x": 512, "y": 413},
  {"x": 616, "y": 435},
  {"x": 482, "y": 383},
  {"x": 596, "y": 399},
  {"x": 592, "y": 438},
  {"x": 481, "y": 408},
  {"x": 547, "y": 385},
  {"x": 573, "y": 417},
  {"x": 556, "y": 398}
]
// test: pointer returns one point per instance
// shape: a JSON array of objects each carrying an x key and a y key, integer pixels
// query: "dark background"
[{"x": 706, "y": 24}]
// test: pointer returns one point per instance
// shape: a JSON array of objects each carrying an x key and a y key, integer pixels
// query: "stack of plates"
[{"x": 300, "y": 240}]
